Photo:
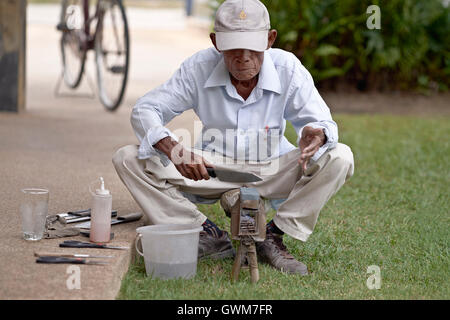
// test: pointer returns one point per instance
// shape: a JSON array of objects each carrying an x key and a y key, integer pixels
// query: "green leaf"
[
  {"x": 291, "y": 36},
  {"x": 330, "y": 73},
  {"x": 326, "y": 50}
]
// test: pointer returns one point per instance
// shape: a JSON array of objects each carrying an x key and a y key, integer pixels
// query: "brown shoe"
[
  {"x": 272, "y": 251},
  {"x": 215, "y": 248}
]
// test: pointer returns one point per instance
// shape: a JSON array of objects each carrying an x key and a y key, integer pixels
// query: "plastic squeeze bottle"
[{"x": 101, "y": 214}]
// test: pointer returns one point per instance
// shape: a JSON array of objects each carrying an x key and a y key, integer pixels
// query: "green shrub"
[{"x": 411, "y": 50}]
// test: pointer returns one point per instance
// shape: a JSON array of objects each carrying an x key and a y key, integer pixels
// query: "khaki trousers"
[{"x": 158, "y": 189}]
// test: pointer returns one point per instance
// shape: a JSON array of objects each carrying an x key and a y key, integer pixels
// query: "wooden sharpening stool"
[{"x": 248, "y": 225}]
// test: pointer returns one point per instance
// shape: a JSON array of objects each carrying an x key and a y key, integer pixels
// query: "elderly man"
[{"x": 243, "y": 91}]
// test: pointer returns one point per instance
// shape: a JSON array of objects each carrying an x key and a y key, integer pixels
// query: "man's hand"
[
  {"x": 189, "y": 164},
  {"x": 311, "y": 140}
]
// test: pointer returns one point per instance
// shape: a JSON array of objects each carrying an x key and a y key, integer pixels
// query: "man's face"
[{"x": 243, "y": 64}]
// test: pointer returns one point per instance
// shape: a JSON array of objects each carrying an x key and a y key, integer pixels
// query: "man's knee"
[
  {"x": 342, "y": 159},
  {"x": 123, "y": 154}
]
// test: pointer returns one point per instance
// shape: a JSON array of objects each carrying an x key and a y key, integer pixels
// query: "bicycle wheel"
[
  {"x": 112, "y": 52},
  {"x": 72, "y": 51}
]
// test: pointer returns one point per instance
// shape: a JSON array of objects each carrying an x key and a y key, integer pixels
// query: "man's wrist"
[
  {"x": 165, "y": 145},
  {"x": 325, "y": 138}
]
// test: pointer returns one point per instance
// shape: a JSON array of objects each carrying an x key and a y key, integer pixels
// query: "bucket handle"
[{"x": 136, "y": 240}]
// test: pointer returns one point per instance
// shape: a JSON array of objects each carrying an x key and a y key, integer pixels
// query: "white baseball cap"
[{"x": 242, "y": 24}]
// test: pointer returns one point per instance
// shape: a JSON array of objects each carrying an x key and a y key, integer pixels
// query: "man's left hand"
[{"x": 311, "y": 140}]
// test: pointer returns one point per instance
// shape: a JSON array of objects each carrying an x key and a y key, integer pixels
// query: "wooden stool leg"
[
  {"x": 253, "y": 262},
  {"x": 237, "y": 264}
]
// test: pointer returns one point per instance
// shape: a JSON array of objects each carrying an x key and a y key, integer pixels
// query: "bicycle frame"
[
  {"x": 80, "y": 36},
  {"x": 89, "y": 40}
]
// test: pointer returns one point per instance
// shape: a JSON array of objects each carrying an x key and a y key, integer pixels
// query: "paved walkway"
[{"x": 65, "y": 143}]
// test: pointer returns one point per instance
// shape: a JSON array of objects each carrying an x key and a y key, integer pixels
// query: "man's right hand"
[{"x": 189, "y": 164}]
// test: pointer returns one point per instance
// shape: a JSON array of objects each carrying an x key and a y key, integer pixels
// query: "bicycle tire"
[
  {"x": 111, "y": 101},
  {"x": 70, "y": 40}
]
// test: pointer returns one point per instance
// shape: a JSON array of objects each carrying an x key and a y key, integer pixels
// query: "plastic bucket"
[{"x": 169, "y": 250}]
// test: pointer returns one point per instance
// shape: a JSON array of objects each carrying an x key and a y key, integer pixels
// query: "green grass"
[{"x": 393, "y": 213}]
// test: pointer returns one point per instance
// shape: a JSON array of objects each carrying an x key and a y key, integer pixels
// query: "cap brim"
[{"x": 254, "y": 40}]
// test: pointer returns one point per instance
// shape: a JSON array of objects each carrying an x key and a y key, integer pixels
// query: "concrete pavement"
[{"x": 65, "y": 143}]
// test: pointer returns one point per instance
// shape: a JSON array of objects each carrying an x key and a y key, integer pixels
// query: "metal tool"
[
  {"x": 78, "y": 216},
  {"x": 232, "y": 176},
  {"x": 59, "y": 260},
  {"x": 81, "y": 213},
  {"x": 80, "y": 244},
  {"x": 130, "y": 217},
  {"x": 68, "y": 255}
]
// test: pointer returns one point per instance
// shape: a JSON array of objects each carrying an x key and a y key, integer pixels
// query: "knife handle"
[
  {"x": 79, "y": 244},
  {"x": 81, "y": 213},
  {"x": 52, "y": 259},
  {"x": 211, "y": 172}
]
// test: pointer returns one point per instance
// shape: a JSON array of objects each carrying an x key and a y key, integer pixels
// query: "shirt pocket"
[{"x": 269, "y": 142}]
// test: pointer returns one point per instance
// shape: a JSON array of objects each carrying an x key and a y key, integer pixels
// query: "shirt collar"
[{"x": 268, "y": 75}]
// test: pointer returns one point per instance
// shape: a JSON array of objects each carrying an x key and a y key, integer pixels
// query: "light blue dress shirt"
[{"x": 232, "y": 126}]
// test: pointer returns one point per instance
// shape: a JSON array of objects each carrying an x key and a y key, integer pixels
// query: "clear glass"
[{"x": 34, "y": 210}]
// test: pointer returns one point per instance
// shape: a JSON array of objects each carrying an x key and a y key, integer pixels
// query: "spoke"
[
  {"x": 111, "y": 51},
  {"x": 115, "y": 29},
  {"x": 71, "y": 42}
]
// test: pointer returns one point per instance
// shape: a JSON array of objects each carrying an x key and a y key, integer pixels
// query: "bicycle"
[{"x": 105, "y": 32}]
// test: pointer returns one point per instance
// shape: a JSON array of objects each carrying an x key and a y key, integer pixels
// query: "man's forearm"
[{"x": 165, "y": 145}]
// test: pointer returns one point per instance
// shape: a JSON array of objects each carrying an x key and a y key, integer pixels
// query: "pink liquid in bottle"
[{"x": 101, "y": 215}]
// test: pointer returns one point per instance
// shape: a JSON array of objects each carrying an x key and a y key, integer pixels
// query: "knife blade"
[
  {"x": 232, "y": 176},
  {"x": 80, "y": 244},
  {"x": 67, "y": 255},
  {"x": 78, "y": 216}
]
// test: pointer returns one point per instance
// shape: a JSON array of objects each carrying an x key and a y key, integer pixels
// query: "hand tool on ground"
[
  {"x": 78, "y": 216},
  {"x": 80, "y": 244},
  {"x": 81, "y": 213},
  {"x": 130, "y": 217},
  {"x": 68, "y": 255},
  {"x": 59, "y": 260},
  {"x": 248, "y": 224},
  {"x": 232, "y": 176},
  {"x": 55, "y": 229}
]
